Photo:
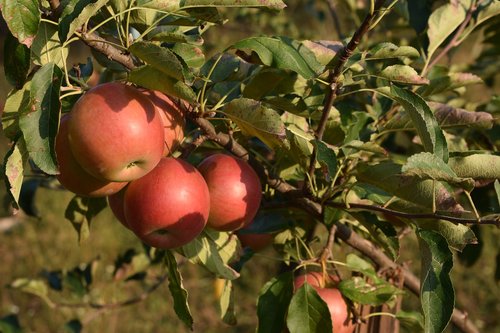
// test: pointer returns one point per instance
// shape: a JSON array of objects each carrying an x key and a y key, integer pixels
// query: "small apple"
[
  {"x": 333, "y": 299},
  {"x": 172, "y": 117},
  {"x": 235, "y": 191},
  {"x": 115, "y": 132},
  {"x": 72, "y": 176},
  {"x": 257, "y": 242},
  {"x": 169, "y": 206}
]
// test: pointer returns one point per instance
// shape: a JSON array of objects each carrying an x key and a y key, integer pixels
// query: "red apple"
[
  {"x": 235, "y": 191},
  {"x": 72, "y": 176},
  {"x": 116, "y": 133},
  {"x": 115, "y": 202},
  {"x": 333, "y": 299},
  {"x": 257, "y": 242},
  {"x": 169, "y": 206},
  {"x": 172, "y": 117}
]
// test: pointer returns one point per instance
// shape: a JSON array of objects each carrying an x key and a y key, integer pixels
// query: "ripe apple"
[
  {"x": 169, "y": 206},
  {"x": 116, "y": 133},
  {"x": 172, "y": 117},
  {"x": 115, "y": 202},
  {"x": 235, "y": 191},
  {"x": 333, "y": 299},
  {"x": 257, "y": 242},
  {"x": 72, "y": 176}
]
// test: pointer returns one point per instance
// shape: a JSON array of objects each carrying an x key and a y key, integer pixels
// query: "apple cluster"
[{"x": 117, "y": 142}]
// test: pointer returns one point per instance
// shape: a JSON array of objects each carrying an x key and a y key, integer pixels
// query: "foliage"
[{"x": 373, "y": 139}]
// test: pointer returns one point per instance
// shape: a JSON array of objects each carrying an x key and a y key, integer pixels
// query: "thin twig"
[
  {"x": 453, "y": 42},
  {"x": 333, "y": 78}
]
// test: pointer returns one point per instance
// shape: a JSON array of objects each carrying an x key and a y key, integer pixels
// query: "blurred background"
[{"x": 46, "y": 246}]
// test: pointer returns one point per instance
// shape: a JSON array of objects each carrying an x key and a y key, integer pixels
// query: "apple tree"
[{"x": 354, "y": 141}]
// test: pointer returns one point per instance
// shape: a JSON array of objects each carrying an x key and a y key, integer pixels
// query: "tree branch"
[{"x": 339, "y": 62}]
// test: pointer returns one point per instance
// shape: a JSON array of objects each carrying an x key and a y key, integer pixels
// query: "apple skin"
[
  {"x": 116, "y": 204},
  {"x": 115, "y": 132},
  {"x": 333, "y": 299},
  {"x": 169, "y": 206},
  {"x": 257, "y": 242},
  {"x": 172, "y": 118},
  {"x": 235, "y": 191},
  {"x": 72, "y": 176}
]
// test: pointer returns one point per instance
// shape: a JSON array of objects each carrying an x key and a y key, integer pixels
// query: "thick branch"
[{"x": 333, "y": 78}]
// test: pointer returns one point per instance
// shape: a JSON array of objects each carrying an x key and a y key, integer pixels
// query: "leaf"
[
  {"x": 213, "y": 250},
  {"x": 10, "y": 324},
  {"x": 323, "y": 50},
  {"x": 73, "y": 326},
  {"x": 17, "y": 103},
  {"x": 440, "y": 82},
  {"x": 428, "y": 166},
  {"x": 326, "y": 157},
  {"x": 388, "y": 50},
  {"x": 423, "y": 119},
  {"x": 411, "y": 321},
  {"x": 442, "y": 22},
  {"x": 476, "y": 166},
  {"x": 436, "y": 291},
  {"x": 16, "y": 61},
  {"x": 308, "y": 312},
  {"x": 272, "y": 4},
  {"x": 226, "y": 303},
  {"x": 177, "y": 290},
  {"x": 75, "y": 14},
  {"x": 283, "y": 53},
  {"x": 374, "y": 293},
  {"x": 497, "y": 190},
  {"x": 150, "y": 78},
  {"x": 457, "y": 235},
  {"x": 81, "y": 211},
  {"x": 41, "y": 121},
  {"x": 273, "y": 302},
  {"x": 403, "y": 74},
  {"x": 255, "y": 119},
  {"x": 47, "y": 48},
  {"x": 22, "y": 18},
  {"x": 160, "y": 58},
  {"x": 34, "y": 287},
  {"x": 192, "y": 55},
  {"x": 451, "y": 117},
  {"x": 419, "y": 12},
  {"x": 14, "y": 162}
]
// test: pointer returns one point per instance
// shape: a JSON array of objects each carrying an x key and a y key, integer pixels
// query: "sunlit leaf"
[
  {"x": 22, "y": 18},
  {"x": 403, "y": 74},
  {"x": 442, "y": 22},
  {"x": 47, "y": 48},
  {"x": 177, "y": 290},
  {"x": 13, "y": 166},
  {"x": 75, "y": 14},
  {"x": 159, "y": 58}
]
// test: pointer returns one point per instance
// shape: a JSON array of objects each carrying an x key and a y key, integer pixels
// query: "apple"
[
  {"x": 115, "y": 132},
  {"x": 257, "y": 242},
  {"x": 172, "y": 118},
  {"x": 115, "y": 202},
  {"x": 72, "y": 176},
  {"x": 333, "y": 299},
  {"x": 169, "y": 206},
  {"x": 235, "y": 191}
]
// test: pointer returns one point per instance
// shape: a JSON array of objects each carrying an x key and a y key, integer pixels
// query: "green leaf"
[
  {"x": 16, "y": 61},
  {"x": 214, "y": 250},
  {"x": 272, "y": 4},
  {"x": 255, "y": 119},
  {"x": 326, "y": 157},
  {"x": 159, "y": 58},
  {"x": 150, "y": 78},
  {"x": 273, "y": 302},
  {"x": 41, "y": 121},
  {"x": 403, "y": 74},
  {"x": 448, "y": 82},
  {"x": 10, "y": 324},
  {"x": 22, "y": 18},
  {"x": 81, "y": 211},
  {"x": 476, "y": 166},
  {"x": 32, "y": 286},
  {"x": 283, "y": 53},
  {"x": 429, "y": 166},
  {"x": 192, "y": 55},
  {"x": 457, "y": 235},
  {"x": 374, "y": 293},
  {"x": 308, "y": 312},
  {"x": 75, "y": 14},
  {"x": 436, "y": 291},
  {"x": 411, "y": 321},
  {"x": 170, "y": 34},
  {"x": 73, "y": 326},
  {"x": 497, "y": 190},
  {"x": 423, "y": 119},
  {"x": 179, "y": 294},
  {"x": 226, "y": 304},
  {"x": 442, "y": 22},
  {"x": 17, "y": 103},
  {"x": 47, "y": 48},
  {"x": 14, "y": 162},
  {"x": 324, "y": 51},
  {"x": 388, "y": 50}
]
